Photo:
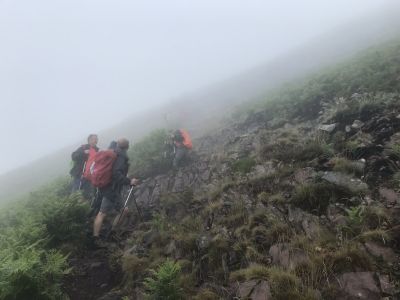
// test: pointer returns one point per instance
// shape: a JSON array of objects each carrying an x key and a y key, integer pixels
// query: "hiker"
[
  {"x": 96, "y": 201},
  {"x": 80, "y": 172},
  {"x": 182, "y": 144},
  {"x": 111, "y": 191}
]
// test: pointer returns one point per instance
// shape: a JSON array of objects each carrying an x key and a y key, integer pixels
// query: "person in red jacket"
[{"x": 80, "y": 172}]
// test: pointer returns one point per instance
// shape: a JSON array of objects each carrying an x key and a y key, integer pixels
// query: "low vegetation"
[{"x": 31, "y": 231}]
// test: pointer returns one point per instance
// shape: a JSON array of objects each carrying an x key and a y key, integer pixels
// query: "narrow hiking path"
[{"x": 91, "y": 277}]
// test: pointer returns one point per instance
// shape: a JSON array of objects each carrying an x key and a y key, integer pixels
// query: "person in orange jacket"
[{"x": 182, "y": 144}]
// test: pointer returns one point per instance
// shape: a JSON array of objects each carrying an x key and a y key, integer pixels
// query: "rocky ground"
[{"x": 268, "y": 208}]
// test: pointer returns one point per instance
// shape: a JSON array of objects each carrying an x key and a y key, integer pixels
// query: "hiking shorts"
[{"x": 110, "y": 202}]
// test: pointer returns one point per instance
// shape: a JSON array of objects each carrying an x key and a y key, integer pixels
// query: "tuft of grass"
[
  {"x": 237, "y": 216},
  {"x": 133, "y": 268},
  {"x": 244, "y": 165},
  {"x": 206, "y": 294},
  {"x": 255, "y": 271},
  {"x": 376, "y": 217},
  {"x": 288, "y": 151},
  {"x": 277, "y": 199},
  {"x": 284, "y": 284},
  {"x": 264, "y": 237},
  {"x": 376, "y": 235},
  {"x": 350, "y": 258},
  {"x": 347, "y": 166},
  {"x": 314, "y": 197}
]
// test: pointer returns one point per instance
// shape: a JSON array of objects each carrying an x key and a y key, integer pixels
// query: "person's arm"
[
  {"x": 79, "y": 154},
  {"x": 119, "y": 169}
]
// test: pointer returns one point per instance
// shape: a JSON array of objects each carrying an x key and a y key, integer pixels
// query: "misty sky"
[{"x": 72, "y": 67}]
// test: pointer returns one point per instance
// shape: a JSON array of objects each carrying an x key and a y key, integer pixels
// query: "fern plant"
[
  {"x": 30, "y": 229},
  {"x": 356, "y": 215},
  {"x": 164, "y": 282}
]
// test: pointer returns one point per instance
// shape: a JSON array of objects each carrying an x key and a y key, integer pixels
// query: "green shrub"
[
  {"x": 147, "y": 155},
  {"x": 65, "y": 220},
  {"x": 164, "y": 282}
]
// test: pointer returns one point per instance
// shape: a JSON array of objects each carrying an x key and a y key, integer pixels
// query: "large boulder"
[
  {"x": 359, "y": 285},
  {"x": 304, "y": 221}
]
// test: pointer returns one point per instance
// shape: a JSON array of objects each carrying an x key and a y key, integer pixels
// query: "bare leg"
[{"x": 98, "y": 222}]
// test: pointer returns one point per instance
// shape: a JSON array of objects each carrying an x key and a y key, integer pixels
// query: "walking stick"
[{"x": 123, "y": 209}]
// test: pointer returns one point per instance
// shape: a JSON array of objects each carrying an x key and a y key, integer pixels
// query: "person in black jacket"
[
  {"x": 82, "y": 157},
  {"x": 111, "y": 194}
]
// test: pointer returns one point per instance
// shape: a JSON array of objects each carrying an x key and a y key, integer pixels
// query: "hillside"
[
  {"x": 296, "y": 197},
  {"x": 202, "y": 110}
]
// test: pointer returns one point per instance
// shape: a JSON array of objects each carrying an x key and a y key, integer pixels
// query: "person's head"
[
  {"x": 113, "y": 145},
  {"x": 123, "y": 144},
  {"x": 92, "y": 140}
]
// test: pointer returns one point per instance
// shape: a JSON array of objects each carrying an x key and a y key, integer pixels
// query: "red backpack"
[{"x": 101, "y": 168}]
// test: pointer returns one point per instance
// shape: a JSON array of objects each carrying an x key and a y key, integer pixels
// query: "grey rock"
[
  {"x": 385, "y": 253},
  {"x": 389, "y": 196},
  {"x": 262, "y": 291},
  {"x": 246, "y": 288},
  {"x": 150, "y": 237},
  {"x": 287, "y": 257},
  {"x": 359, "y": 285},
  {"x": 357, "y": 124},
  {"x": 303, "y": 175},
  {"x": 307, "y": 222},
  {"x": 203, "y": 242},
  {"x": 96, "y": 265},
  {"x": 328, "y": 128},
  {"x": 387, "y": 287},
  {"x": 254, "y": 290},
  {"x": 352, "y": 184}
]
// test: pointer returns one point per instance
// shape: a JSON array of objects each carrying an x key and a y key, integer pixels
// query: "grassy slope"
[{"x": 375, "y": 71}]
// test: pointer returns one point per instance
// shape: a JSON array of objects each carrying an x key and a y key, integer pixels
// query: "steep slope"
[
  {"x": 297, "y": 198},
  {"x": 202, "y": 110}
]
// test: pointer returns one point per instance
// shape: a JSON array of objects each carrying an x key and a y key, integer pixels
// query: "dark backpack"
[{"x": 102, "y": 167}]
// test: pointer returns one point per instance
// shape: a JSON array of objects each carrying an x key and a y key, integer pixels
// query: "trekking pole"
[
  {"x": 83, "y": 171},
  {"x": 125, "y": 205},
  {"x": 138, "y": 210}
]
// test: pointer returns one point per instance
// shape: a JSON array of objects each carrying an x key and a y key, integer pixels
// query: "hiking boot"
[{"x": 98, "y": 243}]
